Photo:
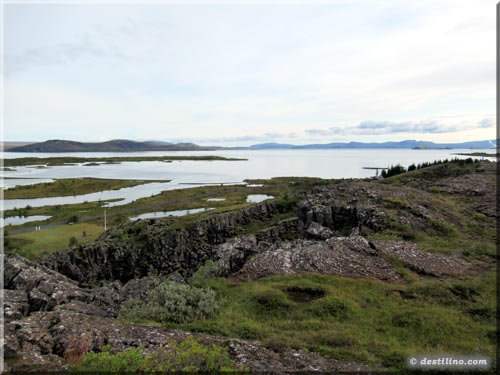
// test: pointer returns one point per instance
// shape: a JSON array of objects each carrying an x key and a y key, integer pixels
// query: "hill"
[{"x": 116, "y": 145}]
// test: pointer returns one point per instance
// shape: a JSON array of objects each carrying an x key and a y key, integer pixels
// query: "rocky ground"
[{"x": 74, "y": 296}]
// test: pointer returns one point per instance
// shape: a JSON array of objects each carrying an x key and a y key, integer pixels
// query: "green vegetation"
[
  {"x": 399, "y": 169},
  {"x": 480, "y": 154},
  {"x": 172, "y": 302},
  {"x": 69, "y": 186},
  {"x": 72, "y": 241},
  {"x": 187, "y": 356},
  {"x": 361, "y": 320},
  {"x": 37, "y": 243},
  {"x": 108, "y": 160},
  {"x": 287, "y": 191}
]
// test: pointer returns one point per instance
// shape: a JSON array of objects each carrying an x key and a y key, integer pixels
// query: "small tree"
[
  {"x": 73, "y": 219},
  {"x": 72, "y": 241}
]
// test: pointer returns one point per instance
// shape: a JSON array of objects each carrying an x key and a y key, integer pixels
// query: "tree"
[{"x": 72, "y": 241}]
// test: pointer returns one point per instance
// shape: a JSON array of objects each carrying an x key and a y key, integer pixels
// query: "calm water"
[
  {"x": 183, "y": 174},
  {"x": 18, "y": 220},
  {"x": 257, "y": 198},
  {"x": 159, "y": 214}
]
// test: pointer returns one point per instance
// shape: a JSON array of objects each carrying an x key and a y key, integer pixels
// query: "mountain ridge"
[{"x": 124, "y": 145}]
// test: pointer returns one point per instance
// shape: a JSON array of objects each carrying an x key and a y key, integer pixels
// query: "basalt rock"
[
  {"x": 425, "y": 263},
  {"x": 31, "y": 287},
  {"x": 153, "y": 248},
  {"x": 343, "y": 256},
  {"x": 351, "y": 256},
  {"x": 42, "y": 340}
]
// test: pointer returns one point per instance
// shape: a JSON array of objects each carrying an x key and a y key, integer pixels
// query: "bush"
[
  {"x": 186, "y": 356},
  {"x": 72, "y": 242},
  {"x": 171, "y": 302},
  {"x": 205, "y": 272},
  {"x": 129, "y": 361},
  {"x": 190, "y": 356},
  {"x": 72, "y": 219},
  {"x": 286, "y": 203}
]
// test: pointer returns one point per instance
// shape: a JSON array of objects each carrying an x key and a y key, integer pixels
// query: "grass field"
[
  {"x": 37, "y": 243},
  {"x": 69, "y": 186}
]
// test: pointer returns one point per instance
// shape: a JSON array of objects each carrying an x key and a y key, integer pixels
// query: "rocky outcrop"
[
  {"x": 47, "y": 316},
  {"x": 425, "y": 263},
  {"x": 32, "y": 287},
  {"x": 246, "y": 258},
  {"x": 44, "y": 339},
  {"x": 342, "y": 256},
  {"x": 140, "y": 249}
]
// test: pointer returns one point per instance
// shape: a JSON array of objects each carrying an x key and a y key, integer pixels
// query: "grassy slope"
[
  {"x": 360, "y": 320},
  {"x": 374, "y": 322},
  {"x": 69, "y": 186},
  {"x": 38, "y": 243}
]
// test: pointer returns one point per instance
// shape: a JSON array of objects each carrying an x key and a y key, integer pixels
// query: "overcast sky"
[{"x": 248, "y": 73}]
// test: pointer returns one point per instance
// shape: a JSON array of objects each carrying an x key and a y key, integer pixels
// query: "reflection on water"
[
  {"x": 263, "y": 164},
  {"x": 18, "y": 220},
  {"x": 126, "y": 195},
  {"x": 11, "y": 182},
  {"x": 257, "y": 198},
  {"x": 159, "y": 214}
]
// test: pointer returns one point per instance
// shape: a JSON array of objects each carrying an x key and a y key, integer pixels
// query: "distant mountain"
[
  {"x": 6, "y": 145},
  {"x": 116, "y": 145},
  {"x": 408, "y": 144},
  {"x": 262, "y": 146},
  {"x": 124, "y": 145}
]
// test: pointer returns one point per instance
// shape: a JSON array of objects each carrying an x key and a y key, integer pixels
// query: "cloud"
[
  {"x": 213, "y": 72},
  {"x": 485, "y": 123},
  {"x": 389, "y": 127},
  {"x": 60, "y": 54}
]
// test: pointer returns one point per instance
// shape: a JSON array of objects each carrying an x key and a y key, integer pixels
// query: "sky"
[{"x": 240, "y": 73}]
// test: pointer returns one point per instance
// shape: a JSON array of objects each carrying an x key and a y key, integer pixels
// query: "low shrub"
[
  {"x": 205, "y": 272},
  {"x": 271, "y": 302},
  {"x": 186, "y": 356},
  {"x": 72, "y": 219},
  {"x": 128, "y": 361},
  {"x": 191, "y": 356},
  {"x": 72, "y": 241},
  {"x": 286, "y": 203},
  {"x": 330, "y": 307},
  {"x": 175, "y": 303}
]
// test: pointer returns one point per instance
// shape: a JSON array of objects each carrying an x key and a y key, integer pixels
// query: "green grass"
[
  {"x": 188, "y": 356},
  {"x": 69, "y": 186},
  {"x": 284, "y": 189},
  {"x": 38, "y": 243},
  {"x": 359, "y": 320},
  {"x": 109, "y": 160}
]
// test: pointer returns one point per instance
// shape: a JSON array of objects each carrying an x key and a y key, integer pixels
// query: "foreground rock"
[
  {"x": 48, "y": 315},
  {"x": 44, "y": 337},
  {"x": 351, "y": 256}
]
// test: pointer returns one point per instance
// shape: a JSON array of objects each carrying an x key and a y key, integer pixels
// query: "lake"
[{"x": 261, "y": 164}]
